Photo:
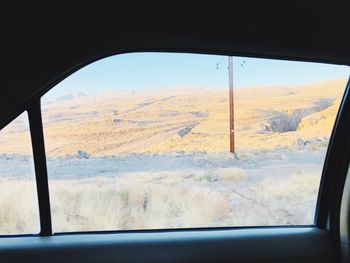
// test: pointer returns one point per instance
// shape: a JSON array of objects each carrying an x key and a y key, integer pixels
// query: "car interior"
[{"x": 45, "y": 43}]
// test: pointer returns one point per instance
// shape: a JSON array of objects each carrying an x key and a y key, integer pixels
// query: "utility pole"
[{"x": 231, "y": 108}]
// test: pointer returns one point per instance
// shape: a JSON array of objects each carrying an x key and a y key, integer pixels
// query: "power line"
[
  {"x": 215, "y": 69},
  {"x": 248, "y": 71}
]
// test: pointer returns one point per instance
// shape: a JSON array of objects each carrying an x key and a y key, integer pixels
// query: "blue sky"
[{"x": 140, "y": 71}]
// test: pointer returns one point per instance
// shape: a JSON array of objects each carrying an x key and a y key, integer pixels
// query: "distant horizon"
[
  {"x": 146, "y": 71},
  {"x": 78, "y": 94}
]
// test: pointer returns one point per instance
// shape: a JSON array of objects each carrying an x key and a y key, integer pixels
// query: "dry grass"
[
  {"x": 88, "y": 207},
  {"x": 277, "y": 201},
  {"x": 161, "y": 202},
  {"x": 231, "y": 174},
  {"x": 18, "y": 207}
]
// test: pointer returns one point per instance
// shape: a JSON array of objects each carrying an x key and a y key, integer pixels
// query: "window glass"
[
  {"x": 19, "y": 212},
  {"x": 150, "y": 141}
]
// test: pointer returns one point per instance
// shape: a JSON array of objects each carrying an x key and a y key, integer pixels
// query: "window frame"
[
  {"x": 329, "y": 197},
  {"x": 38, "y": 144},
  {"x": 335, "y": 169}
]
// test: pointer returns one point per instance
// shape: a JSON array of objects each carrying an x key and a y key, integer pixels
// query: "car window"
[
  {"x": 165, "y": 140},
  {"x": 19, "y": 212}
]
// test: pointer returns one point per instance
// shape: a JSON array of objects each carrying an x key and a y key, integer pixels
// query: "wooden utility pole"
[{"x": 231, "y": 108}]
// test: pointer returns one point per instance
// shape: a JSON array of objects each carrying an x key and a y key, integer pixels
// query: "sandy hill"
[{"x": 182, "y": 120}]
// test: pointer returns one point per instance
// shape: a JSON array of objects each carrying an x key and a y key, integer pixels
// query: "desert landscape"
[{"x": 160, "y": 158}]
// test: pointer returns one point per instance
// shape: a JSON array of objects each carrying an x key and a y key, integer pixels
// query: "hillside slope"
[{"x": 183, "y": 120}]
